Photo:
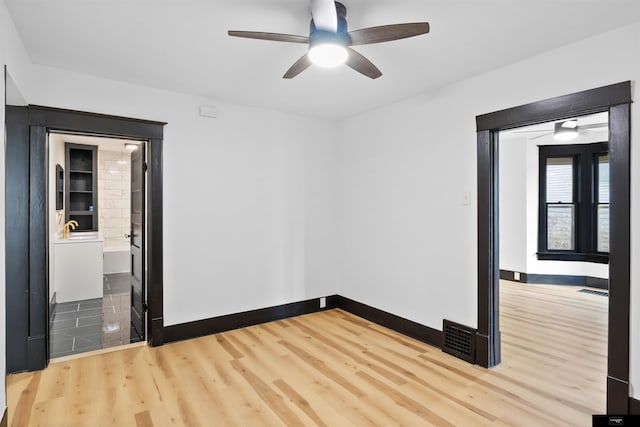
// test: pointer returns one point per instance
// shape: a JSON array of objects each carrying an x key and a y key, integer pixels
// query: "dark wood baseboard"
[
  {"x": 510, "y": 275},
  {"x": 396, "y": 323},
  {"x": 5, "y": 418},
  {"x": 634, "y": 406},
  {"x": 229, "y": 322},
  {"x": 556, "y": 279}
]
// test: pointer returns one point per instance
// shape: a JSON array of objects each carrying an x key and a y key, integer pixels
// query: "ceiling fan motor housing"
[{"x": 342, "y": 37}]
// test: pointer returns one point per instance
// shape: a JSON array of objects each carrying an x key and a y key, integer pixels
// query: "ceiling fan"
[
  {"x": 564, "y": 130},
  {"x": 330, "y": 41}
]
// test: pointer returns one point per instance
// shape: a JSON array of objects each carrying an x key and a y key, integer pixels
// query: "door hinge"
[
  {"x": 145, "y": 167},
  {"x": 145, "y": 307}
]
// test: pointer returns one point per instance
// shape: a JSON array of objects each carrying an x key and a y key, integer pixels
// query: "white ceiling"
[{"x": 182, "y": 45}]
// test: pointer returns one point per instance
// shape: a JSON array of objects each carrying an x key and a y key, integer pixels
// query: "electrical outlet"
[{"x": 323, "y": 302}]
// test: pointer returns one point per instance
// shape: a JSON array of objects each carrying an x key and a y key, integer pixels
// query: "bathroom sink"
[{"x": 83, "y": 236}]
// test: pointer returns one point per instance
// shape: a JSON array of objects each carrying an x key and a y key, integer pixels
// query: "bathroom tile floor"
[{"x": 86, "y": 325}]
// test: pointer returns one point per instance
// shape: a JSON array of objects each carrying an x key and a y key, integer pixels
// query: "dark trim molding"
[
  {"x": 214, "y": 325},
  {"x": 634, "y": 406},
  {"x": 4, "y": 422},
  {"x": 567, "y": 280},
  {"x": 16, "y": 236},
  {"x": 556, "y": 279},
  {"x": 94, "y": 123},
  {"x": 229, "y": 322},
  {"x": 396, "y": 323},
  {"x": 27, "y": 232},
  {"x": 488, "y": 335},
  {"x": 38, "y": 250},
  {"x": 561, "y": 107},
  {"x": 615, "y": 99},
  {"x": 617, "y": 396},
  {"x": 619, "y": 252},
  {"x": 155, "y": 243}
]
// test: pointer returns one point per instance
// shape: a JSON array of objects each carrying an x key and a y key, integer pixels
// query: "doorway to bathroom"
[
  {"x": 96, "y": 246},
  {"x": 27, "y": 222}
]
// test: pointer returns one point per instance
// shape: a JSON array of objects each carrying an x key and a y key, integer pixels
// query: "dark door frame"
[
  {"x": 27, "y": 224},
  {"x": 616, "y": 100}
]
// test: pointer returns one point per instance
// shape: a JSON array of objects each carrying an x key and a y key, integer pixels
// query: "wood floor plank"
[{"x": 332, "y": 368}]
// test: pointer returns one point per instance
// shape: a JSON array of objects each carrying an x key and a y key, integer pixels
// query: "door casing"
[
  {"x": 615, "y": 99},
  {"x": 27, "y": 128}
]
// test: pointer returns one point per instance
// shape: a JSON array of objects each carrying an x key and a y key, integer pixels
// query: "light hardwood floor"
[{"x": 335, "y": 369}]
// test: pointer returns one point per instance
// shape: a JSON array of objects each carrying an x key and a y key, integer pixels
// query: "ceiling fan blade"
[
  {"x": 540, "y": 136},
  {"x": 362, "y": 65},
  {"x": 529, "y": 131},
  {"x": 276, "y": 37},
  {"x": 387, "y": 33},
  {"x": 593, "y": 126},
  {"x": 324, "y": 15},
  {"x": 300, "y": 65}
]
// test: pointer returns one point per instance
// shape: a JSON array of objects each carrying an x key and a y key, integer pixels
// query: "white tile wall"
[{"x": 114, "y": 192}]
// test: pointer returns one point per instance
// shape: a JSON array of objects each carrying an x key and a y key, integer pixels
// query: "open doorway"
[
  {"x": 96, "y": 288},
  {"x": 614, "y": 99},
  {"x": 27, "y": 218},
  {"x": 554, "y": 251}
]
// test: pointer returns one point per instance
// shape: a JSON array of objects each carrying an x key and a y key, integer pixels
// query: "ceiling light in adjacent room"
[
  {"x": 122, "y": 162},
  {"x": 131, "y": 147},
  {"x": 565, "y": 131}
]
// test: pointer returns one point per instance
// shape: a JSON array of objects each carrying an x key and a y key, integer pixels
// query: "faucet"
[{"x": 68, "y": 226}]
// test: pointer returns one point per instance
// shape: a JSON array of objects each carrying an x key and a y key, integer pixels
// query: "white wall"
[
  {"x": 512, "y": 163},
  {"x": 13, "y": 55},
  {"x": 409, "y": 245},
  {"x": 248, "y": 197}
]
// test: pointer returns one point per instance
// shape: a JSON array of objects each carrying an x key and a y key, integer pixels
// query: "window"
[{"x": 574, "y": 203}]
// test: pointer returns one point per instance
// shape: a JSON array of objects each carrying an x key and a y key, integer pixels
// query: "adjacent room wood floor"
[{"x": 335, "y": 369}]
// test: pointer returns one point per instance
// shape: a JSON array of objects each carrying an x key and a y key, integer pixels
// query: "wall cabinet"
[{"x": 82, "y": 185}]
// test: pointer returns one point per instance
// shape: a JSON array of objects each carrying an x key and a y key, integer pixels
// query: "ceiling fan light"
[
  {"x": 565, "y": 133},
  {"x": 328, "y": 55}
]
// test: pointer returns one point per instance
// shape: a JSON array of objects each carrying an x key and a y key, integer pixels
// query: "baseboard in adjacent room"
[
  {"x": 634, "y": 406},
  {"x": 556, "y": 279},
  {"x": 511, "y": 275}
]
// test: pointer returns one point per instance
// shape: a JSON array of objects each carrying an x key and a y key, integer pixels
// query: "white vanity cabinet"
[{"x": 78, "y": 269}]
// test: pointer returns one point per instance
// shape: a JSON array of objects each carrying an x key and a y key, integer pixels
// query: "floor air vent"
[
  {"x": 459, "y": 340},
  {"x": 590, "y": 291}
]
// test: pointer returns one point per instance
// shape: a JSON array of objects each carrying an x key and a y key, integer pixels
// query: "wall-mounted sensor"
[{"x": 208, "y": 111}]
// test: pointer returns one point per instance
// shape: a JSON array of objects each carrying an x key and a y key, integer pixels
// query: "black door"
[{"x": 137, "y": 239}]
